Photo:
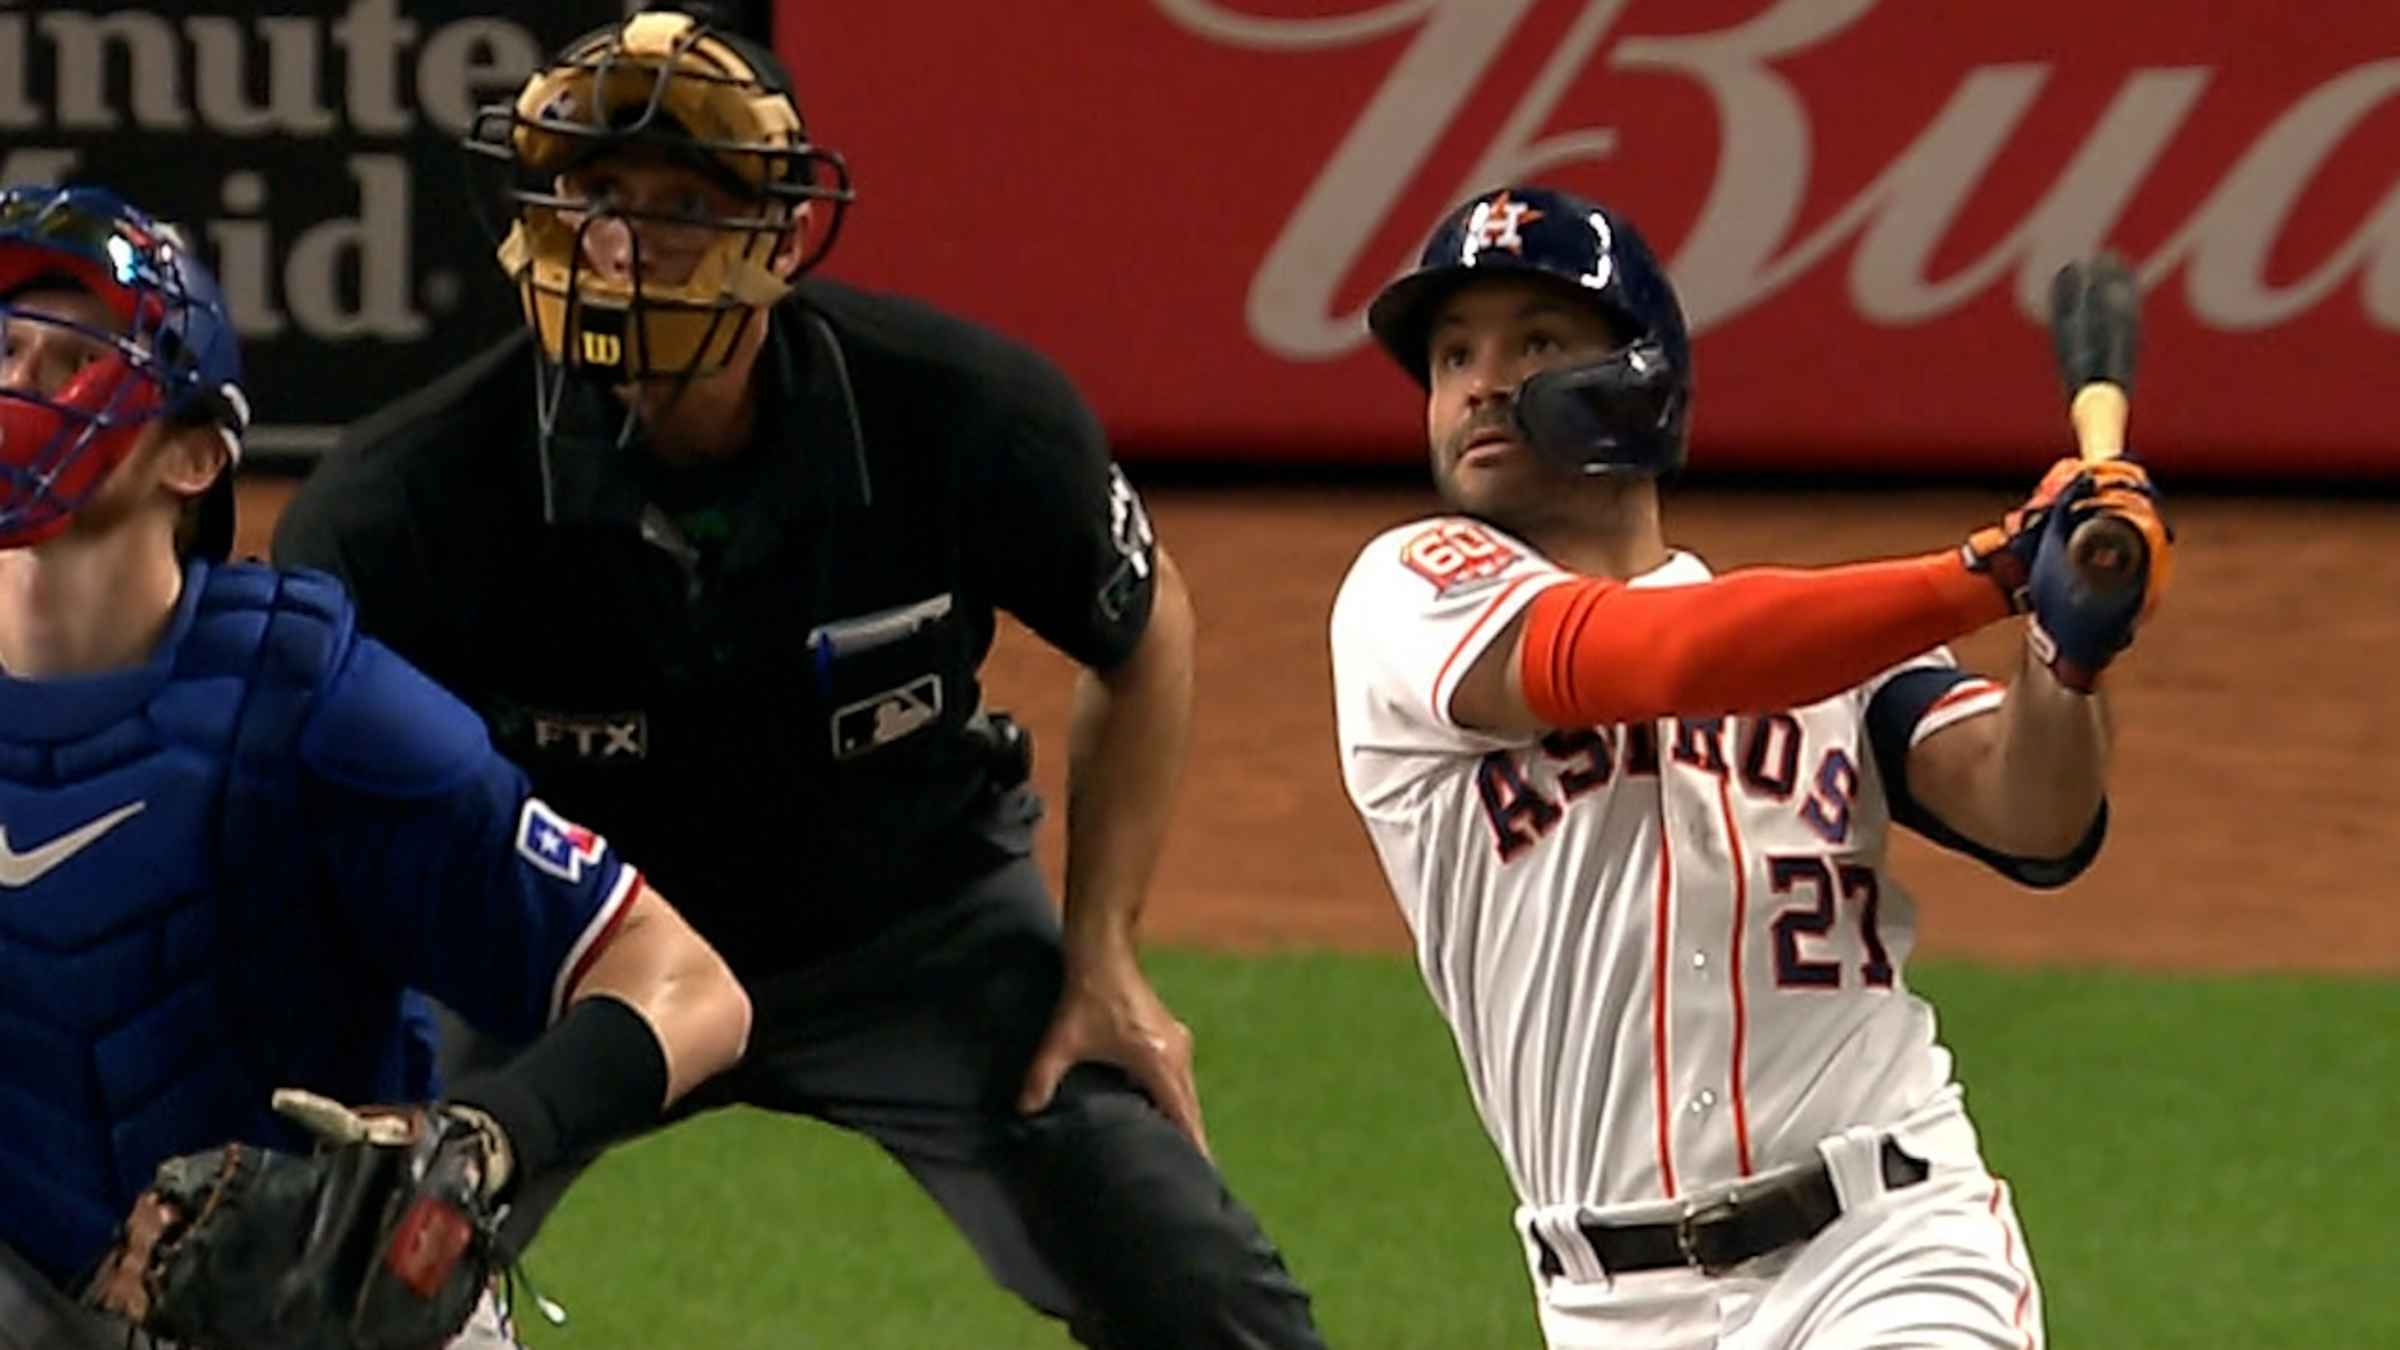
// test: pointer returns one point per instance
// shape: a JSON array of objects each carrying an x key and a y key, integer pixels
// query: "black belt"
[{"x": 1744, "y": 1225}]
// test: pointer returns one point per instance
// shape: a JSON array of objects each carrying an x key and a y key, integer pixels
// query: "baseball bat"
[{"x": 2095, "y": 325}]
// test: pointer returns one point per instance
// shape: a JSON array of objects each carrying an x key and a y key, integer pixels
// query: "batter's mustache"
[{"x": 1501, "y": 417}]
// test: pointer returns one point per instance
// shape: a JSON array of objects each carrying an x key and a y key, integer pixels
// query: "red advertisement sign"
[{"x": 1188, "y": 203}]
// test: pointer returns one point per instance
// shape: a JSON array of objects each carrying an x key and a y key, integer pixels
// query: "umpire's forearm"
[{"x": 1130, "y": 733}]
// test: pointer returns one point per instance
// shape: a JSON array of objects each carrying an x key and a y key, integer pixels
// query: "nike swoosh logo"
[{"x": 24, "y": 869}]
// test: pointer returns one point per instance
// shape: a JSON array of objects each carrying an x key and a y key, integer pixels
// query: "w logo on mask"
[{"x": 602, "y": 349}]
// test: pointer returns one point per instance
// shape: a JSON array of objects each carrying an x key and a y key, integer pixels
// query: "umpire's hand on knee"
[{"x": 1108, "y": 1014}]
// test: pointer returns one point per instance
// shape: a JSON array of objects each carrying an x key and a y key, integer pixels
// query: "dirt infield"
[{"x": 2256, "y": 807}]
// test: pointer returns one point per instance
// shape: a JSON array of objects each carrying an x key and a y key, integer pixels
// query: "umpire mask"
[{"x": 663, "y": 86}]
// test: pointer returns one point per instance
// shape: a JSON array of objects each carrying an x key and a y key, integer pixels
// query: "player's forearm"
[
  {"x": 2048, "y": 767},
  {"x": 1599, "y": 653},
  {"x": 1130, "y": 733},
  {"x": 655, "y": 1015},
  {"x": 658, "y": 966}
]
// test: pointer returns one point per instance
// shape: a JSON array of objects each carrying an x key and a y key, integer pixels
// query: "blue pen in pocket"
[{"x": 829, "y": 643}]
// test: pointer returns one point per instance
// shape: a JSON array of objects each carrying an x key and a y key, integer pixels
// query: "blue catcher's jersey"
[{"x": 219, "y": 871}]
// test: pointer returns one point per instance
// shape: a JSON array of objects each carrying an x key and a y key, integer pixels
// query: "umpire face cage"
[{"x": 661, "y": 87}]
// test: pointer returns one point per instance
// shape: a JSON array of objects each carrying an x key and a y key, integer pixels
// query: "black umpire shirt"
[{"x": 758, "y": 679}]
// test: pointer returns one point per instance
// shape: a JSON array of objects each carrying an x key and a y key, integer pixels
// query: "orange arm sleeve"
[{"x": 1597, "y": 653}]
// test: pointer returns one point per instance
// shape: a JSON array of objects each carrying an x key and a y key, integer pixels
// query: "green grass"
[{"x": 2198, "y": 1163}]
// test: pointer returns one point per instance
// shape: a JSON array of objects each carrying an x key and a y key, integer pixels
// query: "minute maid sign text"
[{"x": 312, "y": 153}]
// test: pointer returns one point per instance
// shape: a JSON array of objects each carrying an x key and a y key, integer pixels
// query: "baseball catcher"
[{"x": 243, "y": 846}]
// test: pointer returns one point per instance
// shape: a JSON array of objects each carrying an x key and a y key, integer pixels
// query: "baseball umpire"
[{"x": 724, "y": 583}]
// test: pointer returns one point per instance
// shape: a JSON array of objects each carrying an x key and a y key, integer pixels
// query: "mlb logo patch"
[
  {"x": 556, "y": 844},
  {"x": 872, "y": 723}
]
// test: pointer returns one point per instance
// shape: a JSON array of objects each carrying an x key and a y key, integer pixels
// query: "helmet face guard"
[
  {"x": 1626, "y": 413},
  {"x": 170, "y": 348},
  {"x": 660, "y": 86},
  {"x": 1623, "y": 413}
]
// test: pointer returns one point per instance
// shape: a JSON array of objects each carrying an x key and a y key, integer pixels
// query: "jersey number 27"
[{"x": 1820, "y": 884}]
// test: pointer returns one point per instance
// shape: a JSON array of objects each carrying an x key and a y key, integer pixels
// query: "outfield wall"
[{"x": 1190, "y": 201}]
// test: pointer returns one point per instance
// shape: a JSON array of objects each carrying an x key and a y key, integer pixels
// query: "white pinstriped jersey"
[{"x": 1670, "y": 952}]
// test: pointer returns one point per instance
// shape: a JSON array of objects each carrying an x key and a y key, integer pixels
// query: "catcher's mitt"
[{"x": 383, "y": 1239}]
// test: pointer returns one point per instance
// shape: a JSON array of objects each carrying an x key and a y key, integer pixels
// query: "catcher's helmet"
[
  {"x": 1627, "y": 413},
  {"x": 666, "y": 82},
  {"x": 172, "y": 352}
]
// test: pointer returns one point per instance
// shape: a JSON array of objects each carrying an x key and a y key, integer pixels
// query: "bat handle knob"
[{"x": 2109, "y": 556}]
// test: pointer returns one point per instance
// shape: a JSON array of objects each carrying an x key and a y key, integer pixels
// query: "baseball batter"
[{"x": 1636, "y": 815}]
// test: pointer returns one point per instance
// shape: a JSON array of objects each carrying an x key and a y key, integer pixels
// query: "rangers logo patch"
[
  {"x": 556, "y": 844},
  {"x": 1454, "y": 553}
]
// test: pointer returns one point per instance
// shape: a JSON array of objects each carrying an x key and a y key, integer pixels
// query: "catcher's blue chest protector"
[{"x": 162, "y": 965}]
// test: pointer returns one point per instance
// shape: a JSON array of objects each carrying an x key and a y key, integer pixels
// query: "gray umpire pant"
[
  {"x": 34, "y": 1315},
  {"x": 1097, "y": 1210}
]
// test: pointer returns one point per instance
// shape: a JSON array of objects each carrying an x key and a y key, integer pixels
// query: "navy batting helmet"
[{"x": 1627, "y": 413}]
